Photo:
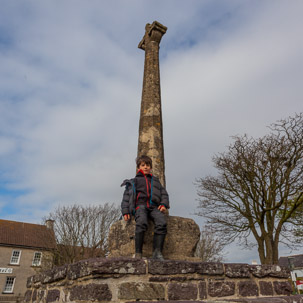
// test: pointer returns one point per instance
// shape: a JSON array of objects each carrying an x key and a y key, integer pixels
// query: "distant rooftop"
[
  {"x": 14, "y": 233},
  {"x": 296, "y": 260}
]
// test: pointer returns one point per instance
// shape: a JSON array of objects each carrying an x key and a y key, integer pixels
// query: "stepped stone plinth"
[
  {"x": 123, "y": 279},
  {"x": 181, "y": 240}
]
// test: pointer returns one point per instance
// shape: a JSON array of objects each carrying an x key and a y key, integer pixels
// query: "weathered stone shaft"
[{"x": 150, "y": 141}]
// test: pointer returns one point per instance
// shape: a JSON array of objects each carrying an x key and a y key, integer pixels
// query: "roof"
[
  {"x": 14, "y": 233},
  {"x": 296, "y": 260}
]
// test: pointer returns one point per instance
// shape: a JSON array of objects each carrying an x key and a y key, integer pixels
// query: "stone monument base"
[
  {"x": 180, "y": 243},
  {"x": 122, "y": 280}
]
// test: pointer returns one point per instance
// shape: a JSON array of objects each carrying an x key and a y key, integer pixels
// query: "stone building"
[{"x": 24, "y": 250}]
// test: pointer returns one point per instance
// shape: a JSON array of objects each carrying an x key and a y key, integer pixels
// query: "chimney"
[{"x": 50, "y": 224}]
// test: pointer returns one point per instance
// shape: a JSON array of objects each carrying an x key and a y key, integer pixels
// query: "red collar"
[{"x": 142, "y": 172}]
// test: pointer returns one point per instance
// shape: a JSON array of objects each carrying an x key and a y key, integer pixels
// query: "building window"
[
  {"x": 15, "y": 259},
  {"x": 9, "y": 285},
  {"x": 37, "y": 258}
]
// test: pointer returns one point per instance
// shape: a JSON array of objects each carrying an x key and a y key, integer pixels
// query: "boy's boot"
[
  {"x": 139, "y": 237},
  {"x": 158, "y": 246}
]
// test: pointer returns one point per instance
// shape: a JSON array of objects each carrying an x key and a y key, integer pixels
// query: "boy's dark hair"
[{"x": 145, "y": 159}]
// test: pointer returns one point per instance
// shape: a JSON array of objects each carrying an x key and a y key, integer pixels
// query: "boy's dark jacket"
[{"x": 157, "y": 193}]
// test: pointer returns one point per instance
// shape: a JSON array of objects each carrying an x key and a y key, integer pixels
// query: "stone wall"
[{"x": 130, "y": 280}]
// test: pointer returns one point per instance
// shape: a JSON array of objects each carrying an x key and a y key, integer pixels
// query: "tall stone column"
[{"x": 150, "y": 141}]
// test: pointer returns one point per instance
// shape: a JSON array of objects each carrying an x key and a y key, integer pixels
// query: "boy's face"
[{"x": 145, "y": 168}]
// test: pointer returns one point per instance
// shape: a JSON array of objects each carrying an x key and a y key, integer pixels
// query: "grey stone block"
[
  {"x": 248, "y": 289},
  {"x": 141, "y": 291},
  {"x": 282, "y": 287},
  {"x": 180, "y": 243},
  {"x": 28, "y": 296},
  {"x": 55, "y": 274},
  {"x": 170, "y": 267},
  {"x": 182, "y": 291},
  {"x": 233, "y": 270},
  {"x": 266, "y": 288},
  {"x": 120, "y": 266},
  {"x": 53, "y": 295},
  {"x": 107, "y": 266},
  {"x": 209, "y": 268},
  {"x": 221, "y": 288},
  {"x": 92, "y": 292},
  {"x": 276, "y": 271},
  {"x": 202, "y": 290}
]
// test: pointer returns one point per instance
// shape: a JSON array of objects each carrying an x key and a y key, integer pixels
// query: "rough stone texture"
[
  {"x": 182, "y": 291},
  {"x": 121, "y": 266},
  {"x": 237, "y": 270},
  {"x": 221, "y": 288},
  {"x": 128, "y": 279},
  {"x": 180, "y": 243},
  {"x": 55, "y": 274},
  {"x": 28, "y": 296},
  {"x": 166, "y": 279},
  {"x": 150, "y": 140},
  {"x": 37, "y": 295},
  {"x": 269, "y": 271},
  {"x": 141, "y": 291},
  {"x": 29, "y": 282},
  {"x": 202, "y": 290},
  {"x": 170, "y": 267},
  {"x": 93, "y": 292},
  {"x": 34, "y": 297},
  {"x": 292, "y": 299},
  {"x": 282, "y": 287},
  {"x": 48, "y": 276},
  {"x": 80, "y": 269},
  {"x": 248, "y": 289},
  {"x": 109, "y": 266},
  {"x": 33, "y": 279},
  {"x": 53, "y": 295},
  {"x": 209, "y": 268},
  {"x": 159, "y": 279},
  {"x": 266, "y": 288}
]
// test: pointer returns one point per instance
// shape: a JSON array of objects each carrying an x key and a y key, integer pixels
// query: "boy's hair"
[{"x": 145, "y": 159}]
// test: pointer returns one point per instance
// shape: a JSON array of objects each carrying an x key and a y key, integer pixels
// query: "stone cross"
[{"x": 150, "y": 141}]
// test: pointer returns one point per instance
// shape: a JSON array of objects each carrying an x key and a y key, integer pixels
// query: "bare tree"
[
  {"x": 258, "y": 189},
  {"x": 210, "y": 247},
  {"x": 296, "y": 218},
  {"x": 81, "y": 231}
]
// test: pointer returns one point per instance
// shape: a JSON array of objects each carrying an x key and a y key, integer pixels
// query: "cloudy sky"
[{"x": 70, "y": 91}]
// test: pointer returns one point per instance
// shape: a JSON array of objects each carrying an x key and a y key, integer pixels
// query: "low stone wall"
[{"x": 131, "y": 280}]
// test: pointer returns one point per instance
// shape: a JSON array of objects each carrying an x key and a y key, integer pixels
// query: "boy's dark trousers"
[
  {"x": 159, "y": 219},
  {"x": 142, "y": 215}
]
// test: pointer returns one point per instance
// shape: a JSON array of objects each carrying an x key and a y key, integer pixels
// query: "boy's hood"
[{"x": 126, "y": 181}]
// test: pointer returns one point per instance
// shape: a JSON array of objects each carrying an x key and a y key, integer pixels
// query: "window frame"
[
  {"x": 12, "y": 285},
  {"x": 12, "y": 256},
  {"x": 40, "y": 260}
]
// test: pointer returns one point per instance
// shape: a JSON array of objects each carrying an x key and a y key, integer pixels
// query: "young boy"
[{"x": 145, "y": 197}]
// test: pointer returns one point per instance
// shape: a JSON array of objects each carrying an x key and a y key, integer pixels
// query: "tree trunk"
[
  {"x": 276, "y": 253},
  {"x": 261, "y": 253}
]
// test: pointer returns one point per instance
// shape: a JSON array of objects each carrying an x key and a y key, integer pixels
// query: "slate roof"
[
  {"x": 14, "y": 233},
  {"x": 297, "y": 261}
]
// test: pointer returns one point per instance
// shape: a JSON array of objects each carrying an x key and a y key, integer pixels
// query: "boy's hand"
[
  {"x": 162, "y": 208},
  {"x": 126, "y": 217}
]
